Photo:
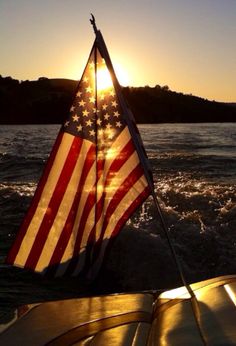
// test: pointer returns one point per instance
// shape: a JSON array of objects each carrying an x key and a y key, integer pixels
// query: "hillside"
[{"x": 48, "y": 101}]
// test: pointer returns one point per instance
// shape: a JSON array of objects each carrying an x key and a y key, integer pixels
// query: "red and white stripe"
[{"x": 80, "y": 200}]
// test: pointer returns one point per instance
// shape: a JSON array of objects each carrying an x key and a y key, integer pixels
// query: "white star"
[
  {"x": 106, "y": 116},
  {"x": 79, "y": 128},
  {"x": 79, "y": 93},
  {"x": 85, "y": 79},
  {"x": 72, "y": 108},
  {"x": 66, "y": 123},
  {"x": 110, "y": 133},
  {"x": 89, "y": 122},
  {"x": 92, "y": 99},
  {"x": 104, "y": 107},
  {"x": 85, "y": 113},
  {"x": 112, "y": 93},
  {"x": 82, "y": 103},
  {"x": 89, "y": 89},
  {"x": 118, "y": 124},
  {"x": 116, "y": 114},
  {"x": 114, "y": 103},
  {"x": 108, "y": 126},
  {"x": 92, "y": 133},
  {"x": 99, "y": 121},
  {"x": 102, "y": 96},
  {"x": 75, "y": 117},
  {"x": 100, "y": 132}
]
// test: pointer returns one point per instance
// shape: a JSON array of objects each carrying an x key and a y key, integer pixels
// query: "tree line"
[{"x": 47, "y": 101}]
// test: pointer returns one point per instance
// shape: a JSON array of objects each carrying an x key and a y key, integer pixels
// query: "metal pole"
[{"x": 102, "y": 45}]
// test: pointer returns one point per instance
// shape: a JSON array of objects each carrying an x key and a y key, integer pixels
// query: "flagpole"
[
  {"x": 141, "y": 154},
  {"x": 133, "y": 134},
  {"x": 117, "y": 87},
  {"x": 96, "y": 148}
]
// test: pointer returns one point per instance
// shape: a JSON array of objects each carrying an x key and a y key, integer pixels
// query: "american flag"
[{"x": 92, "y": 183}]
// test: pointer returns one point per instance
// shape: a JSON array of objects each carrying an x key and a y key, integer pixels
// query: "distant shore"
[{"x": 47, "y": 101}]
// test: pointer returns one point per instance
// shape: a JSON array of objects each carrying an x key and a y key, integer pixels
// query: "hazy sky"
[{"x": 189, "y": 45}]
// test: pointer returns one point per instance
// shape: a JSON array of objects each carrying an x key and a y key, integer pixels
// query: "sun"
[{"x": 104, "y": 80}]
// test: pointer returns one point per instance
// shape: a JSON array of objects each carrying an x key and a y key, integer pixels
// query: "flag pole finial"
[{"x": 93, "y": 22}]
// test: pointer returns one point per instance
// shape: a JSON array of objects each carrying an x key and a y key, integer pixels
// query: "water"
[{"x": 194, "y": 169}]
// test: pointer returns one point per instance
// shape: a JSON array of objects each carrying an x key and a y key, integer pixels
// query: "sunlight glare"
[
  {"x": 104, "y": 80},
  {"x": 122, "y": 75},
  {"x": 231, "y": 293}
]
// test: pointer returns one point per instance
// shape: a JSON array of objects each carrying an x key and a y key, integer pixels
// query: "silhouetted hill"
[
  {"x": 232, "y": 104},
  {"x": 34, "y": 102},
  {"x": 160, "y": 105},
  {"x": 48, "y": 101}
]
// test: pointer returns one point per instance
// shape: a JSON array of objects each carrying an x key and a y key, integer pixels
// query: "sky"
[{"x": 189, "y": 45}]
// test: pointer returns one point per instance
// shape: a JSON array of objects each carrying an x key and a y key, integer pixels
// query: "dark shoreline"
[{"x": 47, "y": 101}]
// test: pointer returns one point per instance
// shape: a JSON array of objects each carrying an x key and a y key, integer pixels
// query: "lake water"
[{"x": 194, "y": 167}]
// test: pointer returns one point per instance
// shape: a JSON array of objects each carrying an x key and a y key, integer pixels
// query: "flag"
[{"x": 95, "y": 178}]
